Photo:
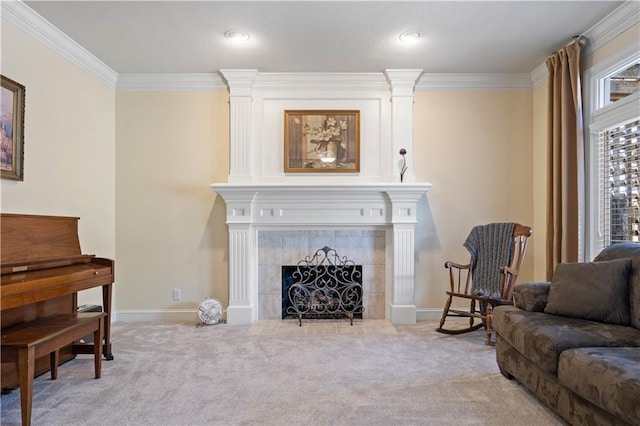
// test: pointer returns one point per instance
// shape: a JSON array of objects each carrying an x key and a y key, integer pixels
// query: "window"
[
  {"x": 612, "y": 127},
  {"x": 623, "y": 83},
  {"x": 620, "y": 204}
]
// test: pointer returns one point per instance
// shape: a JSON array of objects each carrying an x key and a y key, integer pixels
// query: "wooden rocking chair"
[{"x": 500, "y": 267}]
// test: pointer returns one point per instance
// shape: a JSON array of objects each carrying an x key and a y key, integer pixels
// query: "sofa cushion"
[
  {"x": 631, "y": 251},
  {"x": 606, "y": 377},
  {"x": 597, "y": 291},
  {"x": 531, "y": 296},
  {"x": 542, "y": 337}
]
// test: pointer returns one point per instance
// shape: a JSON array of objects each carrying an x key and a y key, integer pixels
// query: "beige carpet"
[{"x": 276, "y": 373}]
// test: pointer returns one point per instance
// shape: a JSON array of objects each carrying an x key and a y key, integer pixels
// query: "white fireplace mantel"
[
  {"x": 260, "y": 196},
  {"x": 254, "y": 207}
]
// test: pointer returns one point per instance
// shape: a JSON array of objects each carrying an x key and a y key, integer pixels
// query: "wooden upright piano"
[{"x": 42, "y": 271}]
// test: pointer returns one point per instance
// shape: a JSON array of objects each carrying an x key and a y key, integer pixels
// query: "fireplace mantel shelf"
[
  {"x": 303, "y": 187},
  {"x": 321, "y": 204}
]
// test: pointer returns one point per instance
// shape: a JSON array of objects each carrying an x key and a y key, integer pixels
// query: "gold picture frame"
[
  {"x": 11, "y": 129},
  {"x": 321, "y": 141}
]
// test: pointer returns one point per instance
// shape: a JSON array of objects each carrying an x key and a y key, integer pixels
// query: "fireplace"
[
  {"x": 282, "y": 250},
  {"x": 271, "y": 225},
  {"x": 263, "y": 201}
]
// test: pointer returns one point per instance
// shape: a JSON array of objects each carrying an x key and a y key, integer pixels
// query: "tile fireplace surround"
[
  {"x": 253, "y": 211},
  {"x": 369, "y": 209}
]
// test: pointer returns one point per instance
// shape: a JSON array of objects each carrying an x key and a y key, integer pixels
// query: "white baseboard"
[
  {"x": 428, "y": 314},
  {"x": 160, "y": 315},
  {"x": 189, "y": 315}
]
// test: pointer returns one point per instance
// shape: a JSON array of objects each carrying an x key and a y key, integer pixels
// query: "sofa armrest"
[{"x": 532, "y": 296}]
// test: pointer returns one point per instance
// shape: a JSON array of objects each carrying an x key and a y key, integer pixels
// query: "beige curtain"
[{"x": 565, "y": 212}]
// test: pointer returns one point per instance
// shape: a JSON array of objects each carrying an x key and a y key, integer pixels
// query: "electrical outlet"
[{"x": 177, "y": 294}]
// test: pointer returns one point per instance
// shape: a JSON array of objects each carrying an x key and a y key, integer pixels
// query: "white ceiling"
[{"x": 323, "y": 36}]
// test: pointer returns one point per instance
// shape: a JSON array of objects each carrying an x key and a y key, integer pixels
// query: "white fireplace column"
[
  {"x": 404, "y": 220},
  {"x": 243, "y": 293},
  {"x": 240, "y": 84},
  {"x": 402, "y": 84}
]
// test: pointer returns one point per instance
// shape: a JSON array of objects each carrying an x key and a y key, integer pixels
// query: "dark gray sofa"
[{"x": 575, "y": 342}]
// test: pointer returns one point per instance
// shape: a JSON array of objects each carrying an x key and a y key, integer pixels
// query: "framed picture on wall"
[
  {"x": 11, "y": 129},
  {"x": 322, "y": 141}
]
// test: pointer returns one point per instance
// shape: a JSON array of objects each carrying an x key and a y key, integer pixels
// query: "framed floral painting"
[
  {"x": 322, "y": 141},
  {"x": 11, "y": 129}
]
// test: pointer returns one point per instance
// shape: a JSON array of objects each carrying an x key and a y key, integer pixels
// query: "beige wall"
[
  {"x": 69, "y": 151},
  {"x": 171, "y": 230},
  {"x": 539, "y": 155},
  {"x": 475, "y": 147}
]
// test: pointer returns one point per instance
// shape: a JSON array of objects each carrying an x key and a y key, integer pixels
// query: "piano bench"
[{"x": 23, "y": 343}]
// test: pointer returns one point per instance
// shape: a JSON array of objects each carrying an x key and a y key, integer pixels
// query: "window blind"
[{"x": 619, "y": 152}]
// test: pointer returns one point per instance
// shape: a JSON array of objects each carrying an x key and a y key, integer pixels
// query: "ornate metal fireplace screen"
[{"x": 324, "y": 285}]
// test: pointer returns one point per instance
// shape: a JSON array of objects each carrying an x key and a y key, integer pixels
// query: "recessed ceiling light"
[
  {"x": 236, "y": 35},
  {"x": 410, "y": 36}
]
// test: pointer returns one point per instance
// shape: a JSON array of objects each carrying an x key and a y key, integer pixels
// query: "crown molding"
[
  {"x": 402, "y": 81},
  {"x": 264, "y": 81},
  {"x": 42, "y": 30},
  {"x": 612, "y": 25},
  {"x": 323, "y": 81},
  {"x": 316, "y": 81},
  {"x": 475, "y": 81},
  {"x": 539, "y": 75},
  {"x": 602, "y": 32},
  {"x": 337, "y": 83},
  {"x": 330, "y": 78},
  {"x": 170, "y": 82}
]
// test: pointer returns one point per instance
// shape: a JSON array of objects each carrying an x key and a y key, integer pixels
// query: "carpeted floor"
[{"x": 277, "y": 373}]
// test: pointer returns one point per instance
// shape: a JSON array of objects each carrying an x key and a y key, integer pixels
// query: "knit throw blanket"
[{"x": 490, "y": 249}]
